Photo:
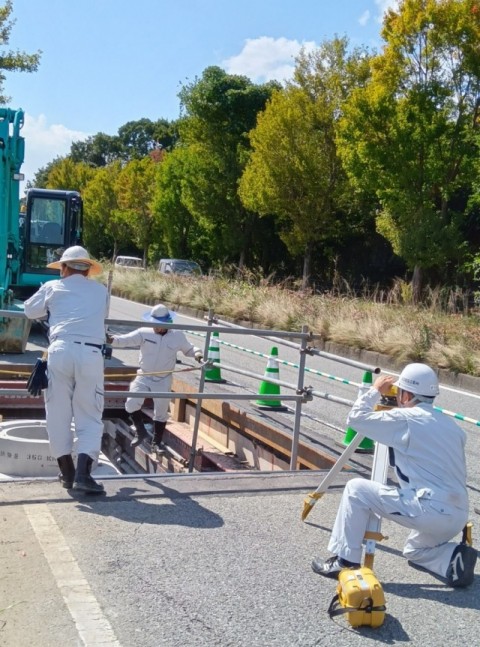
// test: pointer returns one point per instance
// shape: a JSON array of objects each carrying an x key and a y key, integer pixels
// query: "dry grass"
[{"x": 383, "y": 321}]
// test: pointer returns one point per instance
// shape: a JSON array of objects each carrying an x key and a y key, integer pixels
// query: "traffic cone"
[
  {"x": 366, "y": 446},
  {"x": 267, "y": 388},
  {"x": 213, "y": 373}
]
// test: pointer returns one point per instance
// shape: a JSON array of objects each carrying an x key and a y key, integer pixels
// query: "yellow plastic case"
[{"x": 360, "y": 597}]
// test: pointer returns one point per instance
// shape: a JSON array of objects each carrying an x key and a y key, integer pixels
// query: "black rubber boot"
[
  {"x": 140, "y": 432},
  {"x": 67, "y": 470},
  {"x": 83, "y": 481},
  {"x": 158, "y": 429}
]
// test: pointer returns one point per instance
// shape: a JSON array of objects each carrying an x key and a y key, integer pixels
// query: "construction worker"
[
  {"x": 158, "y": 354},
  {"x": 428, "y": 452},
  {"x": 76, "y": 308}
]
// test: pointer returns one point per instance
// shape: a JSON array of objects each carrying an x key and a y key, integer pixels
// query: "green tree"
[
  {"x": 407, "y": 135},
  {"x": 179, "y": 232},
  {"x": 40, "y": 179},
  {"x": 106, "y": 226},
  {"x": 65, "y": 174},
  {"x": 139, "y": 138},
  {"x": 134, "y": 189},
  {"x": 11, "y": 61},
  {"x": 219, "y": 111},
  {"x": 98, "y": 150},
  {"x": 294, "y": 171},
  {"x": 135, "y": 139}
]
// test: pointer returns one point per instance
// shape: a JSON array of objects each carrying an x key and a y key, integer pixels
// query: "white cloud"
[
  {"x": 265, "y": 58},
  {"x": 364, "y": 18},
  {"x": 44, "y": 142},
  {"x": 383, "y": 5}
]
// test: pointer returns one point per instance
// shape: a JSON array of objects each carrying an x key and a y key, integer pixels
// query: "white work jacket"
[
  {"x": 157, "y": 352},
  {"x": 429, "y": 447},
  {"x": 76, "y": 307}
]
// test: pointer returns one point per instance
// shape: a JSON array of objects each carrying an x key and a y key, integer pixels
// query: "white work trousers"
[
  {"x": 146, "y": 383},
  {"x": 433, "y": 523},
  {"x": 75, "y": 390}
]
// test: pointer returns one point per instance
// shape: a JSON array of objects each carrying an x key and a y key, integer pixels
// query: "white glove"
[{"x": 198, "y": 355}]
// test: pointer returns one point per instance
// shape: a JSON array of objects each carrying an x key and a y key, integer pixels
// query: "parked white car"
[
  {"x": 129, "y": 262},
  {"x": 179, "y": 266}
]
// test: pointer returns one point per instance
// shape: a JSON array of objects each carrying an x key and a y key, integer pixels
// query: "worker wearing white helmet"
[
  {"x": 428, "y": 451},
  {"x": 158, "y": 354},
  {"x": 76, "y": 308}
]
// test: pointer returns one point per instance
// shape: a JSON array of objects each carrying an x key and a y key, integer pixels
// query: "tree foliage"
[
  {"x": 106, "y": 226},
  {"x": 67, "y": 175},
  {"x": 407, "y": 135},
  {"x": 294, "y": 171},
  {"x": 219, "y": 111},
  {"x": 97, "y": 150},
  {"x": 359, "y": 150},
  {"x": 179, "y": 233},
  {"x": 11, "y": 61},
  {"x": 134, "y": 189},
  {"x": 135, "y": 140}
]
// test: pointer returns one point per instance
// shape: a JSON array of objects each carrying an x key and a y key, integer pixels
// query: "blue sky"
[{"x": 107, "y": 62}]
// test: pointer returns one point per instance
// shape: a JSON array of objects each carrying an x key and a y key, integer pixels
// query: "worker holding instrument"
[
  {"x": 75, "y": 307},
  {"x": 427, "y": 450},
  {"x": 157, "y": 358}
]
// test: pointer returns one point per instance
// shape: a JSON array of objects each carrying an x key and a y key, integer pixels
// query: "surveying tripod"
[{"x": 379, "y": 474}]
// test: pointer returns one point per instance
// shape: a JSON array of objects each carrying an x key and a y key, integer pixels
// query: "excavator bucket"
[{"x": 14, "y": 331}]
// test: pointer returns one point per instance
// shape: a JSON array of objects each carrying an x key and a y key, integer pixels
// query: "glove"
[
  {"x": 199, "y": 355},
  {"x": 38, "y": 378}
]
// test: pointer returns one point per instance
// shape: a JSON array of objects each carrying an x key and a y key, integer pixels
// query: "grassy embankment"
[{"x": 386, "y": 322}]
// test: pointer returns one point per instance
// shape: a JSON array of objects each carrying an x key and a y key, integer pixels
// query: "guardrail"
[{"x": 300, "y": 395}]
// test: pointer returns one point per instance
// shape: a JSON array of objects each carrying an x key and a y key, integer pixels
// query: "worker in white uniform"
[
  {"x": 428, "y": 451},
  {"x": 158, "y": 355},
  {"x": 75, "y": 307}
]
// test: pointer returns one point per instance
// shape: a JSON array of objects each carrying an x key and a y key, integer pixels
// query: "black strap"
[
  {"x": 401, "y": 475},
  {"x": 391, "y": 460},
  {"x": 333, "y": 611},
  {"x": 86, "y": 343},
  {"x": 391, "y": 457}
]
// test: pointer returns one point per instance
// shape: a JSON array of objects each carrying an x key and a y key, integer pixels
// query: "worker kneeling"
[{"x": 428, "y": 451}]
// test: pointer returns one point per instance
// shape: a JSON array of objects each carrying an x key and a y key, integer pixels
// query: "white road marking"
[{"x": 92, "y": 626}]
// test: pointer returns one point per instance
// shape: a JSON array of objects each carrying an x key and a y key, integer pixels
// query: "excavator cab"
[{"x": 53, "y": 221}]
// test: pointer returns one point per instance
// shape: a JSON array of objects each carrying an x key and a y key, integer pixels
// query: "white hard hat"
[
  {"x": 159, "y": 314},
  {"x": 418, "y": 379},
  {"x": 78, "y": 258}
]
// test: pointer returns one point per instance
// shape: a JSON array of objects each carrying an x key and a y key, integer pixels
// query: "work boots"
[
  {"x": 158, "y": 429},
  {"x": 67, "y": 470},
  {"x": 83, "y": 481},
  {"x": 140, "y": 432}
]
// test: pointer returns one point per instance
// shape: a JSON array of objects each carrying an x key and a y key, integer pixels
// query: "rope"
[
  {"x": 280, "y": 361},
  {"x": 135, "y": 374},
  {"x": 452, "y": 414}
]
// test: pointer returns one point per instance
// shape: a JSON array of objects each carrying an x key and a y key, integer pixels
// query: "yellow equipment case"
[{"x": 360, "y": 596}]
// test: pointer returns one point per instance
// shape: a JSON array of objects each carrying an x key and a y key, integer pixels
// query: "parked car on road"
[
  {"x": 179, "y": 266},
  {"x": 129, "y": 262}
]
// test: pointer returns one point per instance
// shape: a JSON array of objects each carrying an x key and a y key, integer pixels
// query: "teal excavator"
[{"x": 51, "y": 221}]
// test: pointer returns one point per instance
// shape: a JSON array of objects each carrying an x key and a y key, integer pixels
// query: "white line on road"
[{"x": 92, "y": 626}]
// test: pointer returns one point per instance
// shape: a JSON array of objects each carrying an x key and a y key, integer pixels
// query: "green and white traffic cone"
[
  {"x": 213, "y": 373},
  {"x": 366, "y": 446},
  {"x": 267, "y": 388}
]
